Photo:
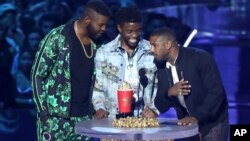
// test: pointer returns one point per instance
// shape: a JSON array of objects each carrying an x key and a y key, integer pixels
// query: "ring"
[{"x": 180, "y": 93}]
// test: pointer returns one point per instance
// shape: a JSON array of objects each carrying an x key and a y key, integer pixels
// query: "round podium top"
[{"x": 103, "y": 128}]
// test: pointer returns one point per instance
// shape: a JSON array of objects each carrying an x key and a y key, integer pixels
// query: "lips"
[
  {"x": 99, "y": 34},
  {"x": 133, "y": 41}
]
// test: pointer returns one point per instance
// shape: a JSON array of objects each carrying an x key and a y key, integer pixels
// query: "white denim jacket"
[{"x": 110, "y": 66}]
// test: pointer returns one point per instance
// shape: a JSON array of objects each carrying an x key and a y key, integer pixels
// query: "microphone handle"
[
  {"x": 138, "y": 97},
  {"x": 142, "y": 103}
]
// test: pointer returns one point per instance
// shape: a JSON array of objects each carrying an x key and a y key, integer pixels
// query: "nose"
[
  {"x": 136, "y": 34},
  {"x": 103, "y": 28}
]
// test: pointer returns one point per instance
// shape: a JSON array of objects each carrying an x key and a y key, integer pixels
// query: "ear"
[
  {"x": 167, "y": 45},
  {"x": 119, "y": 28},
  {"x": 87, "y": 20}
]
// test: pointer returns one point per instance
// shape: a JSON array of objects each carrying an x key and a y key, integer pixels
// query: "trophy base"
[{"x": 123, "y": 115}]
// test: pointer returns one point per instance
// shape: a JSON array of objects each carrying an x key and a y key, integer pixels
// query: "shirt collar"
[{"x": 168, "y": 65}]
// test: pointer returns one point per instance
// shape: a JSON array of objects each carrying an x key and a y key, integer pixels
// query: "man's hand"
[
  {"x": 101, "y": 114},
  {"x": 180, "y": 88},
  {"x": 149, "y": 113},
  {"x": 187, "y": 121}
]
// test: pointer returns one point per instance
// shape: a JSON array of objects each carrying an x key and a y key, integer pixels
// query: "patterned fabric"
[
  {"x": 51, "y": 79},
  {"x": 51, "y": 84},
  {"x": 60, "y": 129},
  {"x": 110, "y": 65}
]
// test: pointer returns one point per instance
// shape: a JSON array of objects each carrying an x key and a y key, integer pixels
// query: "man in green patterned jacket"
[{"x": 62, "y": 74}]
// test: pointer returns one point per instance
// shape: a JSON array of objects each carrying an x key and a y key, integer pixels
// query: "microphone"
[
  {"x": 144, "y": 83},
  {"x": 143, "y": 77}
]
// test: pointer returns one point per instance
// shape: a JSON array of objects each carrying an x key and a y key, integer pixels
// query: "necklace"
[{"x": 85, "y": 52}]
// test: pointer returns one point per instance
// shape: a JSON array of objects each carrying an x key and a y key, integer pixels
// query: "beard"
[
  {"x": 91, "y": 32},
  {"x": 160, "y": 57},
  {"x": 160, "y": 63}
]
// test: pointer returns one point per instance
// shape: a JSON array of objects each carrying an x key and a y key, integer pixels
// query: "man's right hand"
[
  {"x": 180, "y": 88},
  {"x": 101, "y": 114}
]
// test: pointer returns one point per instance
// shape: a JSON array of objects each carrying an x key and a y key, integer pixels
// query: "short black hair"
[
  {"x": 128, "y": 14},
  {"x": 165, "y": 32},
  {"x": 99, "y": 6}
]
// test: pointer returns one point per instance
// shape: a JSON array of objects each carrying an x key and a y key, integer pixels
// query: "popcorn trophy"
[{"x": 125, "y": 96}]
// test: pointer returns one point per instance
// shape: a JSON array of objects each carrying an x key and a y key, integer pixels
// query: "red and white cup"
[{"x": 125, "y": 100}]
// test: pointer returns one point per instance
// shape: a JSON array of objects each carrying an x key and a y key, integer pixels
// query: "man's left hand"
[
  {"x": 187, "y": 121},
  {"x": 149, "y": 113}
]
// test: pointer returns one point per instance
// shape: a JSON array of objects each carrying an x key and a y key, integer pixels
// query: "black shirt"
[{"x": 81, "y": 70}]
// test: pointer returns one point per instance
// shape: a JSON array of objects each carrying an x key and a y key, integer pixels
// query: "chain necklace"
[{"x": 85, "y": 52}]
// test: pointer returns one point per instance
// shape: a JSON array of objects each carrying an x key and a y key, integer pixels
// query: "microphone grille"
[{"x": 142, "y": 72}]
